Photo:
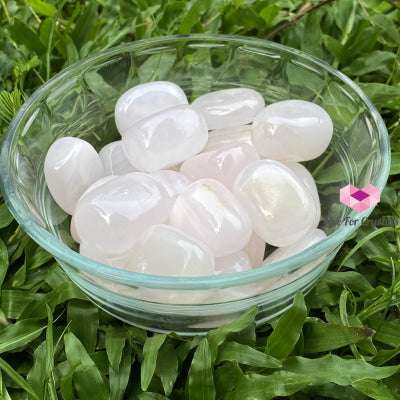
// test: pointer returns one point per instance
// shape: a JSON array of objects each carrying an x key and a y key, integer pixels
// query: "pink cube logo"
[{"x": 360, "y": 199}]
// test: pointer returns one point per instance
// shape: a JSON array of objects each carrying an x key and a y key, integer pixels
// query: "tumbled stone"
[
  {"x": 165, "y": 250},
  {"x": 165, "y": 139},
  {"x": 255, "y": 249},
  {"x": 236, "y": 262},
  {"x": 174, "y": 182},
  {"x": 208, "y": 211},
  {"x": 292, "y": 130},
  {"x": 304, "y": 175},
  {"x": 111, "y": 216},
  {"x": 226, "y": 136},
  {"x": 114, "y": 159},
  {"x": 229, "y": 107},
  {"x": 94, "y": 254},
  {"x": 280, "y": 206},
  {"x": 73, "y": 232},
  {"x": 70, "y": 167},
  {"x": 222, "y": 164},
  {"x": 144, "y": 100},
  {"x": 309, "y": 239}
]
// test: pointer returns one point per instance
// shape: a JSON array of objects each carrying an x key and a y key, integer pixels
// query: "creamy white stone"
[
  {"x": 165, "y": 139},
  {"x": 94, "y": 254},
  {"x": 304, "y": 175},
  {"x": 111, "y": 216},
  {"x": 173, "y": 182},
  {"x": 255, "y": 249},
  {"x": 309, "y": 239},
  {"x": 144, "y": 100},
  {"x": 227, "y": 136},
  {"x": 280, "y": 206},
  {"x": 208, "y": 211},
  {"x": 114, "y": 159},
  {"x": 70, "y": 167},
  {"x": 74, "y": 234},
  {"x": 229, "y": 107},
  {"x": 223, "y": 164},
  {"x": 292, "y": 130},
  {"x": 236, "y": 262},
  {"x": 165, "y": 250}
]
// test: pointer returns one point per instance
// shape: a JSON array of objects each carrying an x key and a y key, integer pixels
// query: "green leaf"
[
  {"x": 374, "y": 61},
  {"x": 332, "y": 368},
  {"x": 312, "y": 37},
  {"x": 119, "y": 378},
  {"x": 84, "y": 24},
  {"x": 319, "y": 336},
  {"x": 395, "y": 164},
  {"x": 287, "y": 332},
  {"x": 5, "y": 215},
  {"x": 226, "y": 378},
  {"x": 151, "y": 396},
  {"x": 22, "y": 34},
  {"x": 192, "y": 17},
  {"x": 200, "y": 380},
  {"x": 260, "y": 387},
  {"x": 3, "y": 262},
  {"x": 232, "y": 351},
  {"x": 42, "y": 7},
  {"x": 19, "y": 334},
  {"x": 167, "y": 367},
  {"x": 67, "y": 389},
  {"x": 115, "y": 343},
  {"x": 150, "y": 352},
  {"x": 373, "y": 389},
  {"x": 87, "y": 378}
]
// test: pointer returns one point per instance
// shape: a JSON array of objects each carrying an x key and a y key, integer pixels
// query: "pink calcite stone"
[
  {"x": 223, "y": 164},
  {"x": 255, "y": 249},
  {"x": 237, "y": 262},
  {"x": 173, "y": 182},
  {"x": 360, "y": 199},
  {"x": 208, "y": 210}
]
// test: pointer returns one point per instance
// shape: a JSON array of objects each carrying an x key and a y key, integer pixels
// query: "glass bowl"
[{"x": 79, "y": 102}]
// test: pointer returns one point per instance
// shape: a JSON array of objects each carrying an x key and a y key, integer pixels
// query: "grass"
[{"x": 341, "y": 342}]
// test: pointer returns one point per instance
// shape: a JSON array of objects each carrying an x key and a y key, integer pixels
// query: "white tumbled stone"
[
  {"x": 144, "y": 100},
  {"x": 292, "y": 130},
  {"x": 174, "y": 182},
  {"x": 120, "y": 261},
  {"x": 165, "y": 139},
  {"x": 236, "y": 262},
  {"x": 229, "y": 107},
  {"x": 111, "y": 216},
  {"x": 165, "y": 250},
  {"x": 305, "y": 176},
  {"x": 73, "y": 232},
  {"x": 70, "y": 167},
  {"x": 208, "y": 211},
  {"x": 255, "y": 249},
  {"x": 223, "y": 164},
  {"x": 309, "y": 239},
  {"x": 114, "y": 159},
  {"x": 227, "y": 136},
  {"x": 280, "y": 206}
]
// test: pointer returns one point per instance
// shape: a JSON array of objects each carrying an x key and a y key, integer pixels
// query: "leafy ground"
[{"x": 341, "y": 342}]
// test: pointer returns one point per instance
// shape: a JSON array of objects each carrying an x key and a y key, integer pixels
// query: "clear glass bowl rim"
[{"x": 66, "y": 255}]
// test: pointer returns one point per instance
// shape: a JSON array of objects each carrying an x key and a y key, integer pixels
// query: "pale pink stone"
[
  {"x": 208, "y": 211},
  {"x": 94, "y": 254},
  {"x": 304, "y": 175},
  {"x": 223, "y": 165},
  {"x": 164, "y": 250},
  {"x": 227, "y": 136},
  {"x": 236, "y": 262},
  {"x": 114, "y": 159},
  {"x": 255, "y": 249},
  {"x": 111, "y": 216},
  {"x": 173, "y": 182},
  {"x": 74, "y": 233}
]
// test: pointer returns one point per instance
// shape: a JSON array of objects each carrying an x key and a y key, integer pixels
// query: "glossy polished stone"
[
  {"x": 117, "y": 262},
  {"x": 255, "y": 249},
  {"x": 73, "y": 232},
  {"x": 144, "y": 100},
  {"x": 236, "y": 262},
  {"x": 223, "y": 165},
  {"x": 309, "y": 239},
  {"x": 292, "y": 130},
  {"x": 165, "y": 250},
  {"x": 208, "y": 211},
  {"x": 114, "y": 159},
  {"x": 280, "y": 206},
  {"x": 111, "y": 216},
  {"x": 165, "y": 139},
  {"x": 70, "y": 167},
  {"x": 229, "y": 107},
  {"x": 226, "y": 136},
  {"x": 304, "y": 175},
  {"x": 174, "y": 182}
]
